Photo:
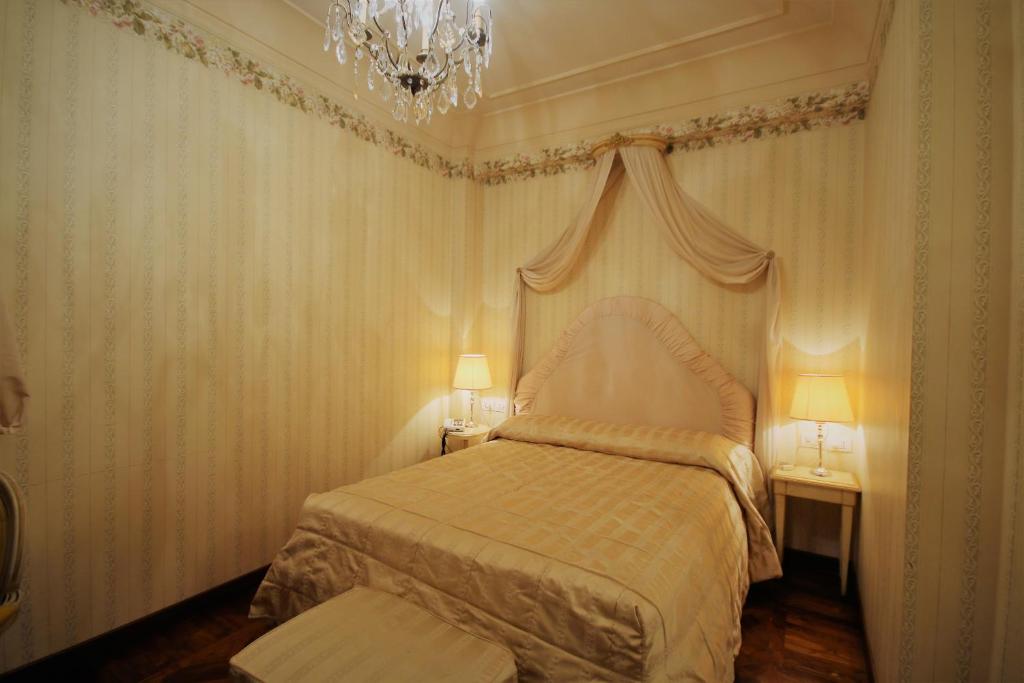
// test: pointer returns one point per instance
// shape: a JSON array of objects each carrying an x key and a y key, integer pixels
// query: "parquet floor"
[
  {"x": 799, "y": 628},
  {"x": 795, "y": 629}
]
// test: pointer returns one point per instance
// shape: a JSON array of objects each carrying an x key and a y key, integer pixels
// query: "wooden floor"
[
  {"x": 799, "y": 628},
  {"x": 795, "y": 629}
]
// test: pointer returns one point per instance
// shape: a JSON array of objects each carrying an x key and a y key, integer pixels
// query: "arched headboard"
[{"x": 629, "y": 360}]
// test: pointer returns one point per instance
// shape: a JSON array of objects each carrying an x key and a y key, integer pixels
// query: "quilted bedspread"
[{"x": 592, "y": 551}]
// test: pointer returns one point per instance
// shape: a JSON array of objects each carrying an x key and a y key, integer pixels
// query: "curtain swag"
[{"x": 697, "y": 236}]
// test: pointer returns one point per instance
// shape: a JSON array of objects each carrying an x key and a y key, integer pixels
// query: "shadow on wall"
[{"x": 398, "y": 414}]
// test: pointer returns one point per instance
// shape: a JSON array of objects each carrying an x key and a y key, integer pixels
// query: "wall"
[
  {"x": 797, "y": 194},
  {"x": 1007, "y": 655},
  {"x": 888, "y": 256},
  {"x": 206, "y": 281},
  {"x": 938, "y": 198},
  {"x": 206, "y": 288}
]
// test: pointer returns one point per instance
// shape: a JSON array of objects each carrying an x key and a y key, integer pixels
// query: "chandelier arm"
[
  {"x": 401, "y": 18},
  {"x": 434, "y": 78},
  {"x": 383, "y": 34},
  {"x": 387, "y": 49},
  {"x": 385, "y": 39},
  {"x": 437, "y": 19},
  {"x": 444, "y": 69}
]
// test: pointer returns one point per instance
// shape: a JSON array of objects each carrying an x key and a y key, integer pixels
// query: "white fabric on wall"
[{"x": 12, "y": 382}]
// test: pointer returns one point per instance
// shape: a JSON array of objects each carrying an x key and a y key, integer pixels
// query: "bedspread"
[{"x": 592, "y": 551}]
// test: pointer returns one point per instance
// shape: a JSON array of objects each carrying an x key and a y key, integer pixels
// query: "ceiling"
[
  {"x": 549, "y": 48},
  {"x": 550, "y": 44},
  {"x": 571, "y": 70}
]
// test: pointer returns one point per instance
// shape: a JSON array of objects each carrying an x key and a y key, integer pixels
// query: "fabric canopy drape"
[{"x": 706, "y": 243}]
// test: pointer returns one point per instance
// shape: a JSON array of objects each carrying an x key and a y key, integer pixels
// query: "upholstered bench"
[{"x": 367, "y": 635}]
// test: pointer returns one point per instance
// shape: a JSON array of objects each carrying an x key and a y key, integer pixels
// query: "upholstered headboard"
[{"x": 629, "y": 360}]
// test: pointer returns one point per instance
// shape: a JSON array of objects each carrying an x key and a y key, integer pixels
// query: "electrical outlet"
[
  {"x": 837, "y": 437},
  {"x": 494, "y": 405},
  {"x": 839, "y": 442}
]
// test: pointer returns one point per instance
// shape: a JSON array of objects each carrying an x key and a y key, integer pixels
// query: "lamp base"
[
  {"x": 471, "y": 423},
  {"x": 820, "y": 470}
]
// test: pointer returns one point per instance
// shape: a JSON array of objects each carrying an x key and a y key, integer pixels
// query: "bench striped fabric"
[{"x": 368, "y": 635}]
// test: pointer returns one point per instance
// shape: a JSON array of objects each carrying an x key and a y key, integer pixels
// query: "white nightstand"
[
  {"x": 841, "y": 488},
  {"x": 456, "y": 441}
]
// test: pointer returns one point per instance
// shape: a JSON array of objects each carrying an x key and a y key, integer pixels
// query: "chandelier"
[{"x": 414, "y": 49}]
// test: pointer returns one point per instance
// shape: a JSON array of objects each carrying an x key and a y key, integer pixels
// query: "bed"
[{"x": 609, "y": 531}]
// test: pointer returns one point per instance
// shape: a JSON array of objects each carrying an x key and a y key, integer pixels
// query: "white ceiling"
[
  {"x": 547, "y": 48},
  {"x": 547, "y": 40}
]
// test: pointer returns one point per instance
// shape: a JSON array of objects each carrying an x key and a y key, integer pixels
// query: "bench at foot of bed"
[{"x": 367, "y": 635}]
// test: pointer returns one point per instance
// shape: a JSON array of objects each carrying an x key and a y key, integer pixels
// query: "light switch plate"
[
  {"x": 839, "y": 442},
  {"x": 493, "y": 405},
  {"x": 837, "y": 437}
]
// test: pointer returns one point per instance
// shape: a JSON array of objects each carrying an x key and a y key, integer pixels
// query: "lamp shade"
[
  {"x": 472, "y": 372},
  {"x": 821, "y": 398}
]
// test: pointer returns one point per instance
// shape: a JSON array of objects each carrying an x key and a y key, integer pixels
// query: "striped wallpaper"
[
  {"x": 1010, "y": 628},
  {"x": 1010, "y": 659},
  {"x": 207, "y": 285},
  {"x": 889, "y": 216},
  {"x": 206, "y": 289},
  {"x": 939, "y": 584}
]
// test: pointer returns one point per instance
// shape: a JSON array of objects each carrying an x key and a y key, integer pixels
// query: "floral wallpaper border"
[
  {"x": 838, "y": 106},
  {"x": 192, "y": 43}
]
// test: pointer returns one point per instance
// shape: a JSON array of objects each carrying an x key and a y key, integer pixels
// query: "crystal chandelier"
[{"x": 414, "y": 49}]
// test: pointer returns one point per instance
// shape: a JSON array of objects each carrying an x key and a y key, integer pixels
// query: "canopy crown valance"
[
  {"x": 618, "y": 140},
  {"x": 697, "y": 236}
]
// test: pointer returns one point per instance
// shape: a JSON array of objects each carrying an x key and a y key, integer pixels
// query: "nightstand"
[
  {"x": 456, "y": 441},
  {"x": 840, "y": 488}
]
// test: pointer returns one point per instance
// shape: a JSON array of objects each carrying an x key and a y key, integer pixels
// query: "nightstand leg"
[
  {"x": 780, "y": 524},
  {"x": 844, "y": 546}
]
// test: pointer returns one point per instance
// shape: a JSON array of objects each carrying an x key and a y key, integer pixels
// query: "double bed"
[{"x": 596, "y": 535}]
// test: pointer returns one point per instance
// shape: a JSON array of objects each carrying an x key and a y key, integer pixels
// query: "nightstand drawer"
[
  {"x": 825, "y": 495},
  {"x": 457, "y": 442}
]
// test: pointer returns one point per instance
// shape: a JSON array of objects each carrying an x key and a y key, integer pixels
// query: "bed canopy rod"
[{"x": 618, "y": 140}]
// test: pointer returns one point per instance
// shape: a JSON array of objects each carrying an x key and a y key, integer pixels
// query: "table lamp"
[
  {"x": 821, "y": 399},
  {"x": 472, "y": 374}
]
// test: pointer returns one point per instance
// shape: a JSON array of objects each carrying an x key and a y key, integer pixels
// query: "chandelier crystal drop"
[{"x": 414, "y": 50}]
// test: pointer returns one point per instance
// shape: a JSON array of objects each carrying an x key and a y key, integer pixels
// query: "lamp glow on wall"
[
  {"x": 472, "y": 375},
  {"x": 821, "y": 399}
]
